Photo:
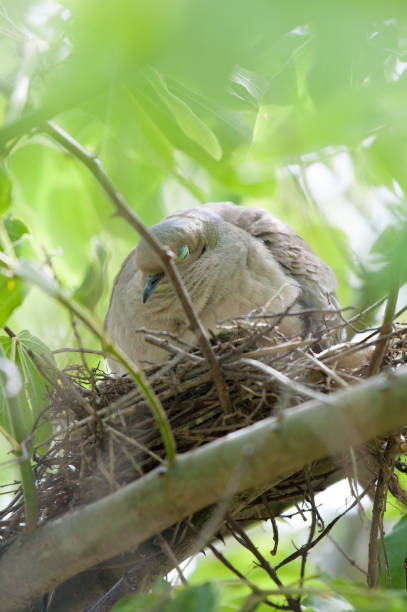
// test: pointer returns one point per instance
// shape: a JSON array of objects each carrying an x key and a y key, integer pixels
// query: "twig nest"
[{"x": 105, "y": 435}]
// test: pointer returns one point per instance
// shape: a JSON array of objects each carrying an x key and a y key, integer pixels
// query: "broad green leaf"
[
  {"x": 12, "y": 294},
  {"x": 364, "y": 599},
  {"x": 123, "y": 32},
  {"x": 57, "y": 196},
  {"x": 249, "y": 85},
  {"x": 10, "y": 379},
  {"x": 16, "y": 231},
  {"x": 331, "y": 244},
  {"x": 389, "y": 263},
  {"x": 10, "y": 387},
  {"x": 159, "y": 595},
  {"x": 36, "y": 388},
  {"x": 200, "y": 598},
  {"x": 233, "y": 127},
  {"x": 396, "y": 550},
  {"x": 91, "y": 289},
  {"x": 12, "y": 412},
  {"x": 160, "y": 147},
  {"x": 12, "y": 290},
  {"x": 140, "y": 603},
  {"x": 5, "y": 189},
  {"x": 383, "y": 158},
  {"x": 188, "y": 121}
]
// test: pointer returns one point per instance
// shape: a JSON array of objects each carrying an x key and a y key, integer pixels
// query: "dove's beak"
[{"x": 151, "y": 284}]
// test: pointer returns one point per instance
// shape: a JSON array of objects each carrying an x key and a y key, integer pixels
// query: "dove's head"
[{"x": 191, "y": 236}]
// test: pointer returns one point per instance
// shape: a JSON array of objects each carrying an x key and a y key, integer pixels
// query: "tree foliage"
[{"x": 296, "y": 106}]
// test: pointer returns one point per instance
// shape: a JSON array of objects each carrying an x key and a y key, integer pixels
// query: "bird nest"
[{"x": 106, "y": 437}]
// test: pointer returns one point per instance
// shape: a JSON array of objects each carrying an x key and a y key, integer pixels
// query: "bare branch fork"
[{"x": 95, "y": 166}]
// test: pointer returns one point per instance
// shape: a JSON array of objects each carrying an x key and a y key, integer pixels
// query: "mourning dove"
[{"x": 232, "y": 260}]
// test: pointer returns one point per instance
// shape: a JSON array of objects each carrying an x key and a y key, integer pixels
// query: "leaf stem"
[
  {"x": 23, "y": 451},
  {"x": 9, "y": 437}
]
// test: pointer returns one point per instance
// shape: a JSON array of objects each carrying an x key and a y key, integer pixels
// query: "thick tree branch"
[{"x": 65, "y": 546}]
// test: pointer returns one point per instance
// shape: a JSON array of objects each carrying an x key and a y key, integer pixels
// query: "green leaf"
[
  {"x": 91, "y": 289},
  {"x": 12, "y": 290},
  {"x": 12, "y": 409},
  {"x": 154, "y": 600},
  {"x": 10, "y": 381},
  {"x": 158, "y": 146},
  {"x": 390, "y": 268},
  {"x": 249, "y": 85},
  {"x": 396, "y": 550},
  {"x": 35, "y": 398},
  {"x": 12, "y": 294},
  {"x": 188, "y": 121},
  {"x": 361, "y": 597},
  {"x": 16, "y": 230},
  {"x": 201, "y": 598},
  {"x": 5, "y": 189}
]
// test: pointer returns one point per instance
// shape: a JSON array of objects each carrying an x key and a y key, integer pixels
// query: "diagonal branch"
[
  {"x": 95, "y": 166},
  {"x": 25, "y": 270},
  {"x": 387, "y": 326},
  {"x": 379, "y": 507},
  {"x": 80, "y": 539}
]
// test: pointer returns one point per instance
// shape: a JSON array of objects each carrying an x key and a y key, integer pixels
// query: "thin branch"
[
  {"x": 167, "y": 550},
  {"x": 324, "y": 368},
  {"x": 379, "y": 506},
  {"x": 78, "y": 350},
  {"x": 112, "y": 596},
  {"x": 314, "y": 521},
  {"x": 324, "y": 532},
  {"x": 338, "y": 352},
  {"x": 387, "y": 326},
  {"x": 244, "y": 539},
  {"x": 273, "y": 521},
  {"x": 345, "y": 554},
  {"x": 255, "y": 590},
  {"x": 171, "y": 348},
  {"x": 292, "y": 385},
  {"x": 95, "y": 166},
  {"x": 79, "y": 341},
  {"x": 135, "y": 443}
]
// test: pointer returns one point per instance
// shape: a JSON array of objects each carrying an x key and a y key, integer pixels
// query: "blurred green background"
[{"x": 299, "y": 107}]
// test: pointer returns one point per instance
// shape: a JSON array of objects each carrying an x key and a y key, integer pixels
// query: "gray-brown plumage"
[{"x": 231, "y": 260}]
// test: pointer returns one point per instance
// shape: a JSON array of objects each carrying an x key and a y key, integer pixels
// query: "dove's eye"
[{"x": 183, "y": 252}]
